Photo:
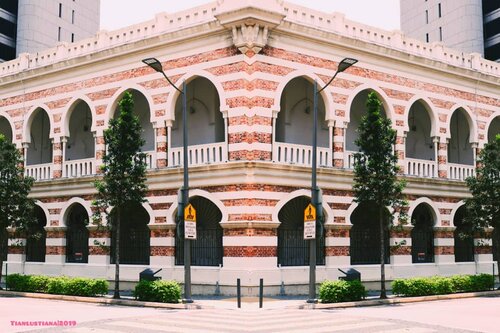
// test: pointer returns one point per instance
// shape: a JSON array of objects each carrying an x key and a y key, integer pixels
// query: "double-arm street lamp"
[
  {"x": 343, "y": 65},
  {"x": 184, "y": 198}
]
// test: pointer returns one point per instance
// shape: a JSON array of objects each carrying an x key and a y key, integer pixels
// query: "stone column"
[
  {"x": 442, "y": 158},
  {"x": 100, "y": 149},
  {"x": 400, "y": 150},
  {"x": 55, "y": 245},
  {"x": 162, "y": 245},
  {"x": 57, "y": 158},
  {"x": 338, "y": 243},
  {"x": 444, "y": 242},
  {"x": 338, "y": 144},
  {"x": 400, "y": 245},
  {"x": 161, "y": 144},
  {"x": 99, "y": 245}
]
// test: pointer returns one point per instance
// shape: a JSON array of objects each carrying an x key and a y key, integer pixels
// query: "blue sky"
[{"x": 120, "y": 13}]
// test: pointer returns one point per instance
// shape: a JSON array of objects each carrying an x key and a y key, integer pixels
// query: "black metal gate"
[
  {"x": 207, "y": 249},
  {"x": 134, "y": 236},
  {"x": 365, "y": 236},
  {"x": 77, "y": 235},
  {"x": 464, "y": 241},
  {"x": 35, "y": 243},
  {"x": 293, "y": 249},
  {"x": 422, "y": 235}
]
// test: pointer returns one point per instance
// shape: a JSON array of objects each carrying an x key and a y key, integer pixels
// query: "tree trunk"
[
  {"x": 117, "y": 254},
  {"x": 383, "y": 294},
  {"x": 3, "y": 250},
  {"x": 497, "y": 240}
]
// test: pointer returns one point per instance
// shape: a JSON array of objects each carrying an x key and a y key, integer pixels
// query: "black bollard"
[
  {"x": 238, "y": 292},
  {"x": 261, "y": 293}
]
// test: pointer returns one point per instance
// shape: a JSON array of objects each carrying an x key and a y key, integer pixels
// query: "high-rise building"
[
  {"x": 471, "y": 26},
  {"x": 32, "y": 25}
]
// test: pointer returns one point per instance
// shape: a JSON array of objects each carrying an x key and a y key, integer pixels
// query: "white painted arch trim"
[
  {"x": 428, "y": 106},
  {"x": 300, "y": 193},
  {"x": 326, "y": 94},
  {"x": 488, "y": 124},
  {"x": 28, "y": 121},
  {"x": 171, "y": 212},
  {"x": 381, "y": 94},
  {"x": 45, "y": 211},
  {"x": 454, "y": 211},
  {"x": 434, "y": 209},
  {"x": 5, "y": 115},
  {"x": 471, "y": 119},
  {"x": 66, "y": 117},
  {"x": 110, "y": 110},
  {"x": 173, "y": 93},
  {"x": 355, "y": 205},
  {"x": 63, "y": 217}
]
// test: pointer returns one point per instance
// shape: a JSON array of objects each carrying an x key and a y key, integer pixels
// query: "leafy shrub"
[
  {"x": 57, "y": 285},
  {"x": 158, "y": 291},
  {"x": 436, "y": 285},
  {"x": 341, "y": 291}
]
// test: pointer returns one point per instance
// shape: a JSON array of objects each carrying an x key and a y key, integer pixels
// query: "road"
[{"x": 465, "y": 315}]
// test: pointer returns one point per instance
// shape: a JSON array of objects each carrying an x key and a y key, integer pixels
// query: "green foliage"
[
  {"x": 483, "y": 208},
  {"x": 376, "y": 170},
  {"x": 158, "y": 291},
  {"x": 57, "y": 285},
  {"x": 16, "y": 209},
  {"x": 341, "y": 291},
  {"x": 437, "y": 285}
]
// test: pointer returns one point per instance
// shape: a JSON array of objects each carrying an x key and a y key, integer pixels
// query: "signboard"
[
  {"x": 189, "y": 222},
  {"x": 310, "y": 222}
]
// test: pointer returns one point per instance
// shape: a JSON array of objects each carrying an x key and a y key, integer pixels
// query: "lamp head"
[
  {"x": 346, "y": 63},
  {"x": 154, "y": 64}
]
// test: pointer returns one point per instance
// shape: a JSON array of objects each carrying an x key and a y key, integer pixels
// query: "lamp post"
[
  {"x": 343, "y": 65},
  {"x": 156, "y": 65}
]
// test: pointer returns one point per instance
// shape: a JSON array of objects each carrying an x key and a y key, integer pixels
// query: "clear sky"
[{"x": 116, "y": 14}]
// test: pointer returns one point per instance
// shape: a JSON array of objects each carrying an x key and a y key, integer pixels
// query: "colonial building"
[{"x": 249, "y": 67}]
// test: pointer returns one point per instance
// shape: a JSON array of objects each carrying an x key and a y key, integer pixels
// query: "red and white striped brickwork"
[{"x": 249, "y": 186}]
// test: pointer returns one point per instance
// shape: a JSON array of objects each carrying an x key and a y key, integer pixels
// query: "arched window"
[
  {"x": 460, "y": 148},
  {"x": 293, "y": 250},
  {"x": 494, "y": 129},
  {"x": 365, "y": 236},
  {"x": 40, "y": 147},
  {"x": 464, "y": 242},
  {"x": 207, "y": 249},
  {"x": 80, "y": 144},
  {"x": 77, "y": 235},
  {"x": 5, "y": 129},
  {"x": 35, "y": 242},
  {"x": 419, "y": 144},
  {"x": 134, "y": 236},
  {"x": 422, "y": 235}
]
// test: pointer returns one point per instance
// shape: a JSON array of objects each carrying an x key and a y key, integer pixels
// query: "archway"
[
  {"x": 207, "y": 249},
  {"x": 494, "y": 129},
  {"x": 36, "y": 240},
  {"x": 419, "y": 144},
  {"x": 464, "y": 241},
  {"x": 422, "y": 234},
  {"x": 459, "y": 148},
  {"x": 365, "y": 235},
  {"x": 357, "y": 111},
  {"x": 77, "y": 234},
  {"x": 80, "y": 144},
  {"x": 293, "y": 250},
  {"x": 40, "y": 147},
  {"x": 134, "y": 235},
  {"x": 5, "y": 128}
]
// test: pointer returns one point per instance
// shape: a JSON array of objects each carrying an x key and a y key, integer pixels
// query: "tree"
[
  {"x": 375, "y": 173},
  {"x": 483, "y": 208},
  {"x": 124, "y": 174},
  {"x": 16, "y": 209}
]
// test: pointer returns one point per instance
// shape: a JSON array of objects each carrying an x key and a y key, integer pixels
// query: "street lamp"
[
  {"x": 157, "y": 66},
  {"x": 343, "y": 65}
]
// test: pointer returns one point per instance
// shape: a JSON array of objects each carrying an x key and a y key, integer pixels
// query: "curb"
[
  {"x": 102, "y": 300},
  {"x": 399, "y": 300}
]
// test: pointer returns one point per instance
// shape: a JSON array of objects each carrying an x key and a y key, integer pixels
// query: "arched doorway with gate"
[
  {"x": 77, "y": 235},
  {"x": 207, "y": 249},
  {"x": 35, "y": 242},
  {"x": 464, "y": 242},
  {"x": 293, "y": 249},
  {"x": 422, "y": 234}
]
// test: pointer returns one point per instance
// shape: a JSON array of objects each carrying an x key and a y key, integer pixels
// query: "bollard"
[
  {"x": 261, "y": 293},
  {"x": 238, "y": 292}
]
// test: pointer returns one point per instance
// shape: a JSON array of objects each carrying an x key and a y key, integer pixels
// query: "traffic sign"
[
  {"x": 189, "y": 222},
  {"x": 310, "y": 222}
]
